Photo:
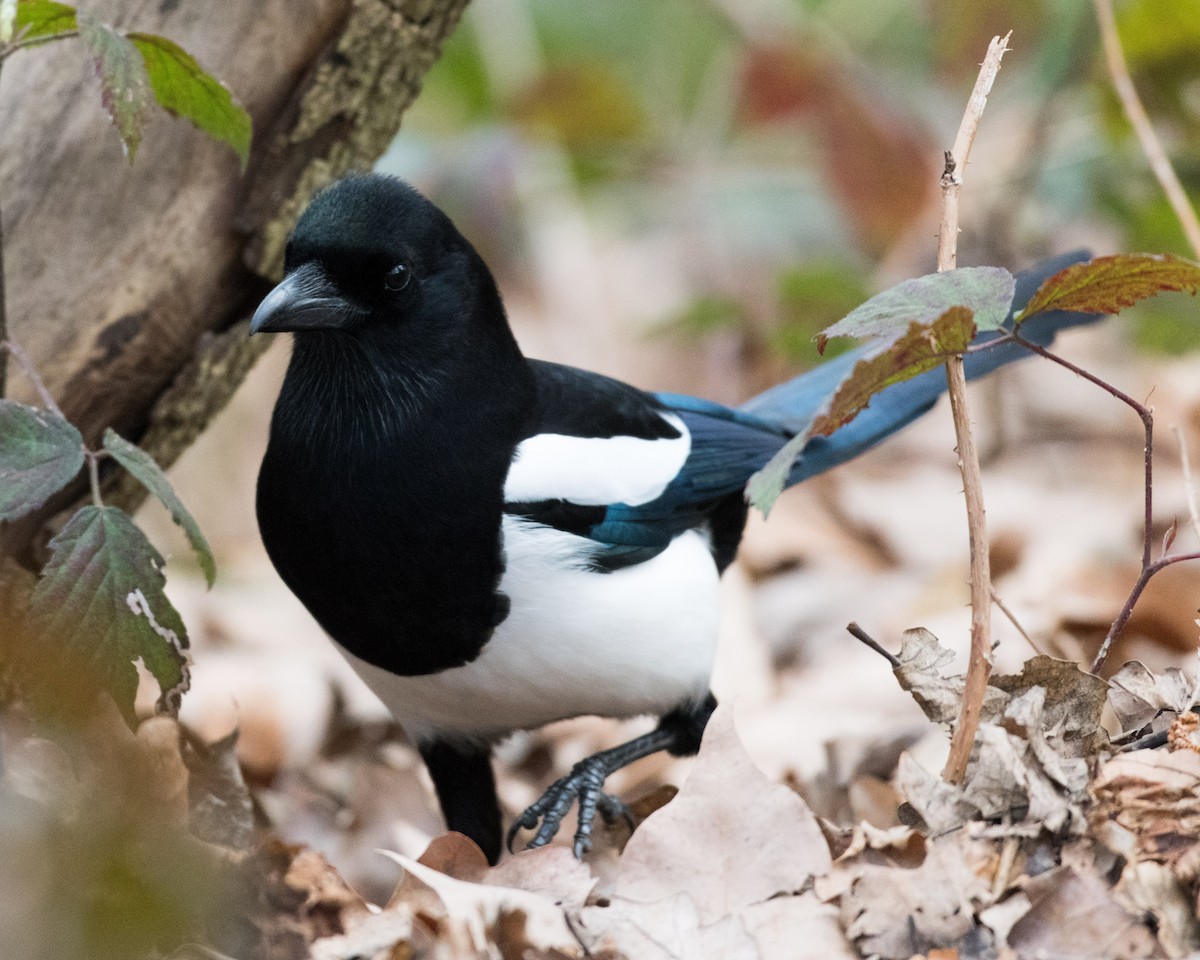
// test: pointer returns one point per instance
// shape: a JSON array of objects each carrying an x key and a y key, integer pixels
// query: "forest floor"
[{"x": 814, "y": 822}]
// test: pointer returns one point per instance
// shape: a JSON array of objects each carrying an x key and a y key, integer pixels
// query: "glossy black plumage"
[{"x": 459, "y": 518}]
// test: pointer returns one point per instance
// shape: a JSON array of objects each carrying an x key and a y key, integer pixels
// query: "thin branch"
[
  {"x": 860, "y": 634},
  {"x": 1189, "y": 481},
  {"x": 980, "y": 665},
  {"x": 1016, "y": 623},
  {"x": 1145, "y": 413},
  {"x": 30, "y": 371},
  {"x": 1149, "y": 566},
  {"x": 1131, "y": 601},
  {"x": 1152, "y": 147},
  {"x": 19, "y": 44}
]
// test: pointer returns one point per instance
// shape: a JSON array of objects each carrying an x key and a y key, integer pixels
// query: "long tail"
[{"x": 792, "y": 405}]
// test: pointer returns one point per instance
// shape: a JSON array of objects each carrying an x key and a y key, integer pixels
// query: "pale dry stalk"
[
  {"x": 980, "y": 666},
  {"x": 1152, "y": 147}
]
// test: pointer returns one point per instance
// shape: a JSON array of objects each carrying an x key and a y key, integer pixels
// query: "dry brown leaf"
[
  {"x": 1138, "y": 695},
  {"x": 221, "y": 809},
  {"x": 1071, "y": 703},
  {"x": 551, "y": 872},
  {"x": 1025, "y": 766},
  {"x": 667, "y": 929},
  {"x": 1153, "y": 795},
  {"x": 730, "y": 838},
  {"x": 920, "y": 673},
  {"x": 939, "y": 806},
  {"x": 1074, "y": 915},
  {"x": 375, "y": 935},
  {"x": 797, "y": 928},
  {"x": 286, "y": 898},
  {"x": 897, "y": 913},
  {"x": 456, "y": 855},
  {"x": 327, "y": 897},
  {"x": 475, "y": 909},
  {"x": 1153, "y": 889}
]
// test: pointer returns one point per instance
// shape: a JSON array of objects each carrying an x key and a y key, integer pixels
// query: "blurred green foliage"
[{"x": 788, "y": 147}]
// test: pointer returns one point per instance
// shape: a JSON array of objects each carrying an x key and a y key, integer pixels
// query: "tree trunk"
[{"x": 130, "y": 286}]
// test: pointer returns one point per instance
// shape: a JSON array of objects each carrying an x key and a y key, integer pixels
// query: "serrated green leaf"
[
  {"x": 986, "y": 291},
  {"x": 150, "y": 475},
  {"x": 100, "y": 603},
  {"x": 919, "y": 348},
  {"x": 42, "y": 19},
  {"x": 1109, "y": 284},
  {"x": 40, "y": 453},
  {"x": 124, "y": 83},
  {"x": 184, "y": 88}
]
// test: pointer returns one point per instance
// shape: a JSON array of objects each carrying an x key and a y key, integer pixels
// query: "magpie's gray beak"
[{"x": 304, "y": 300}]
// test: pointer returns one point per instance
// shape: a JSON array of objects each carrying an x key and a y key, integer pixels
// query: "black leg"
[
  {"x": 466, "y": 790},
  {"x": 679, "y": 734}
]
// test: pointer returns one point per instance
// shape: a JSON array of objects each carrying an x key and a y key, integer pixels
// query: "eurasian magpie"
[{"x": 495, "y": 542}]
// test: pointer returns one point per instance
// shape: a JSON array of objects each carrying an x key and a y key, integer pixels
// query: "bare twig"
[
  {"x": 19, "y": 44},
  {"x": 1152, "y": 147},
  {"x": 1016, "y": 623},
  {"x": 1149, "y": 566},
  {"x": 1134, "y": 595},
  {"x": 30, "y": 371},
  {"x": 860, "y": 634},
  {"x": 980, "y": 665},
  {"x": 1189, "y": 481}
]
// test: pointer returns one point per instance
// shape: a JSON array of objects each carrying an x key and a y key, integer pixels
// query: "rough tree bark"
[{"x": 130, "y": 286}]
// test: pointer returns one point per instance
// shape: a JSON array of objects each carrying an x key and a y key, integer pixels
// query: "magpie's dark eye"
[{"x": 397, "y": 278}]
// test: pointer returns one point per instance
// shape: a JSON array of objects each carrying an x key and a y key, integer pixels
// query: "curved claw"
[{"x": 585, "y": 784}]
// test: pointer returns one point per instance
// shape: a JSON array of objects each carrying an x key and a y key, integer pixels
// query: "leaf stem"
[
  {"x": 860, "y": 634},
  {"x": 1149, "y": 566},
  {"x": 93, "y": 463},
  {"x": 8, "y": 50},
  {"x": 979, "y": 667},
  {"x": 1145, "y": 413}
]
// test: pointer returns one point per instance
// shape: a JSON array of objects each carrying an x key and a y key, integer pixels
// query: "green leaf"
[
  {"x": 100, "y": 606},
  {"x": 124, "y": 83},
  {"x": 42, "y": 20},
  {"x": 40, "y": 453},
  {"x": 986, "y": 291},
  {"x": 919, "y": 348},
  {"x": 150, "y": 475},
  {"x": 184, "y": 88},
  {"x": 1109, "y": 284}
]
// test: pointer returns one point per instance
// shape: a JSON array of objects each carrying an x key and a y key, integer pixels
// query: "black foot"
[
  {"x": 585, "y": 784},
  {"x": 679, "y": 732}
]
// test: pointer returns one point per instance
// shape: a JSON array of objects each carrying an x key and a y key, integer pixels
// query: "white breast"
[{"x": 639, "y": 640}]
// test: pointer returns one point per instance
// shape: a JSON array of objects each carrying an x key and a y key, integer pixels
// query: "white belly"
[{"x": 639, "y": 640}]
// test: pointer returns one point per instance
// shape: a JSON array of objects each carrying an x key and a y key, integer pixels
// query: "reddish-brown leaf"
[
  {"x": 1109, "y": 284},
  {"x": 919, "y": 349}
]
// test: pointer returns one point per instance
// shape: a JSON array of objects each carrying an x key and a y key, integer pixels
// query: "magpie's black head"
[{"x": 370, "y": 257}]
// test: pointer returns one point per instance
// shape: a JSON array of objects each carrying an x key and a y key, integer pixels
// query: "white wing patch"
[{"x": 596, "y": 470}]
